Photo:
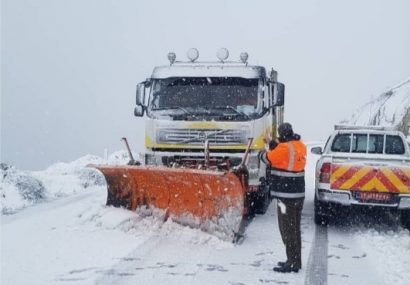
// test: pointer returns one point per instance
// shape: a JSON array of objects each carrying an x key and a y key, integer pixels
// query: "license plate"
[{"x": 374, "y": 196}]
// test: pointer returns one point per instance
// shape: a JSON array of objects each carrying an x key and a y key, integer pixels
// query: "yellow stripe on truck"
[
  {"x": 338, "y": 173},
  {"x": 374, "y": 184},
  {"x": 148, "y": 141},
  {"x": 187, "y": 146},
  {"x": 394, "y": 179},
  {"x": 356, "y": 178}
]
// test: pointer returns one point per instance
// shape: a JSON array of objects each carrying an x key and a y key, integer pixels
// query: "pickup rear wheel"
[
  {"x": 322, "y": 213},
  {"x": 405, "y": 219}
]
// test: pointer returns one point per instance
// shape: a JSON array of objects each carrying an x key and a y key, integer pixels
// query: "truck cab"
[{"x": 221, "y": 104}]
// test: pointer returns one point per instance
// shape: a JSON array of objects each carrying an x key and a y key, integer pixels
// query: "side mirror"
[
  {"x": 140, "y": 98},
  {"x": 316, "y": 150},
  {"x": 280, "y": 95},
  {"x": 139, "y": 111}
]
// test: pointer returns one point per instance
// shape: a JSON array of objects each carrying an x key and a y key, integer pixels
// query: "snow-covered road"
[
  {"x": 178, "y": 258},
  {"x": 78, "y": 240},
  {"x": 68, "y": 241}
]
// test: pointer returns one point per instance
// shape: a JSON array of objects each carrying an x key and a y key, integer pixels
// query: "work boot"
[
  {"x": 282, "y": 263},
  {"x": 286, "y": 268}
]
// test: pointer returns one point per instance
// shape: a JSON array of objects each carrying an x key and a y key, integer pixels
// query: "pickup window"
[
  {"x": 394, "y": 145},
  {"x": 341, "y": 143},
  {"x": 359, "y": 143},
  {"x": 368, "y": 143},
  {"x": 376, "y": 143}
]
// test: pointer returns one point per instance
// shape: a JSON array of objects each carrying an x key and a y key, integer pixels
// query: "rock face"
[{"x": 391, "y": 108}]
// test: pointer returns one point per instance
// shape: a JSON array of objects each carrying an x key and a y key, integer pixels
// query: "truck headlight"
[{"x": 161, "y": 136}]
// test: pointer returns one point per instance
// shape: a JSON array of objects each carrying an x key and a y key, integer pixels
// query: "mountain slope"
[{"x": 391, "y": 108}]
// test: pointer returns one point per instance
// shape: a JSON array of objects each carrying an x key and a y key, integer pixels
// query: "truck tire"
[
  {"x": 260, "y": 201},
  {"x": 405, "y": 219},
  {"x": 322, "y": 213}
]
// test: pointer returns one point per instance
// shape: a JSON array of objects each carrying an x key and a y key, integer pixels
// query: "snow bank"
[
  {"x": 20, "y": 189},
  {"x": 388, "y": 109}
]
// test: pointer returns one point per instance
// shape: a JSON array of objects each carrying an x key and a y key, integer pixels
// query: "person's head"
[{"x": 285, "y": 132}]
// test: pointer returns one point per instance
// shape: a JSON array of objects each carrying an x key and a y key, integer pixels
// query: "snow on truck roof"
[
  {"x": 209, "y": 69},
  {"x": 367, "y": 129},
  {"x": 364, "y": 128}
]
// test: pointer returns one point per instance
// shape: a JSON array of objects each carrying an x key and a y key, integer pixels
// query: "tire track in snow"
[
  {"x": 316, "y": 271},
  {"x": 49, "y": 205}
]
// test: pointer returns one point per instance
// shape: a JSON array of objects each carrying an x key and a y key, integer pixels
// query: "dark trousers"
[{"x": 289, "y": 226}]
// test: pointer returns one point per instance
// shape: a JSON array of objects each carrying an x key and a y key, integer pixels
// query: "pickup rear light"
[{"x": 325, "y": 171}]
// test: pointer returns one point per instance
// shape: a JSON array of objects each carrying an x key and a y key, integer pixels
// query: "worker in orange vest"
[{"x": 287, "y": 160}]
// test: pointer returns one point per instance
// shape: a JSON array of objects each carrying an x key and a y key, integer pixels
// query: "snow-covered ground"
[
  {"x": 67, "y": 235},
  {"x": 19, "y": 189}
]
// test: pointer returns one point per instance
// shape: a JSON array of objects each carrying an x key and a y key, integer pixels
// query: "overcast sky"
[{"x": 69, "y": 68}]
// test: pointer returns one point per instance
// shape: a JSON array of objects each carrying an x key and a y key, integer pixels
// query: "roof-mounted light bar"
[
  {"x": 244, "y": 57},
  {"x": 192, "y": 54},
  {"x": 222, "y": 54},
  {"x": 375, "y": 128},
  {"x": 172, "y": 57}
]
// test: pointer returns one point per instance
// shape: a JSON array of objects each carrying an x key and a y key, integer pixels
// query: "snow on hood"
[
  {"x": 388, "y": 109},
  {"x": 20, "y": 189}
]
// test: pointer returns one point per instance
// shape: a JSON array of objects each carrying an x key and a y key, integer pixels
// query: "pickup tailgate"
[{"x": 370, "y": 181}]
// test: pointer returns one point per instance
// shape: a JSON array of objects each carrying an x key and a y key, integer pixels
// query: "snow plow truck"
[{"x": 205, "y": 123}]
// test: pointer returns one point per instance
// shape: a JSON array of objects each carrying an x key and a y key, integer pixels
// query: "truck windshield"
[{"x": 217, "y": 98}]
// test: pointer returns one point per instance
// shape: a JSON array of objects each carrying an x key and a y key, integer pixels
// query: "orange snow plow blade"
[{"x": 199, "y": 198}]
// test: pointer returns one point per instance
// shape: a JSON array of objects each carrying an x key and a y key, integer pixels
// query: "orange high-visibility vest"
[{"x": 288, "y": 156}]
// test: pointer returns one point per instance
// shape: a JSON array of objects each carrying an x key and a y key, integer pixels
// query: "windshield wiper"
[{"x": 233, "y": 109}]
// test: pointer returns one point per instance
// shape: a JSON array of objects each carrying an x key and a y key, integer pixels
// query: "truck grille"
[{"x": 198, "y": 136}]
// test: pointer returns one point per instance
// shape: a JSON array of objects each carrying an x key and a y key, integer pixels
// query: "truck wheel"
[
  {"x": 322, "y": 213},
  {"x": 260, "y": 203},
  {"x": 405, "y": 219}
]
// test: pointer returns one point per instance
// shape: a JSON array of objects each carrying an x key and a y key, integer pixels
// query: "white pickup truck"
[{"x": 362, "y": 166}]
